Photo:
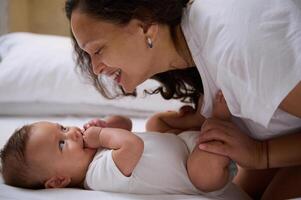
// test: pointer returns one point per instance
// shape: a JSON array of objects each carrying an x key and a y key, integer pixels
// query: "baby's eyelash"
[{"x": 63, "y": 128}]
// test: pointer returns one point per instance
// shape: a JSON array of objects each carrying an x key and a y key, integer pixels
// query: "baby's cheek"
[{"x": 85, "y": 138}]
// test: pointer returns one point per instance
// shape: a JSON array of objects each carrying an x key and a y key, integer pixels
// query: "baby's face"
[{"x": 60, "y": 150}]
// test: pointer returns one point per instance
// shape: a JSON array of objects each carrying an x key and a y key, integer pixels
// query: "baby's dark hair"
[
  {"x": 185, "y": 85},
  {"x": 16, "y": 170}
]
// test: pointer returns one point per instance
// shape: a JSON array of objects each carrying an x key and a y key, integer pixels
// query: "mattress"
[{"x": 9, "y": 124}]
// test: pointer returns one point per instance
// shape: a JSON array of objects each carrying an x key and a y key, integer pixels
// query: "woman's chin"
[
  {"x": 127, "y": 88},
  {"x": 128, "y": 91}
]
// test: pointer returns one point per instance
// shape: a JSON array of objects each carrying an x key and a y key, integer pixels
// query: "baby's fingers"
[
  {"x": 186, "y": 110},
  {"x": 95, "y": 122},
  {"x": 86, "y": 126},
  {"x": 99, "y": 123}
]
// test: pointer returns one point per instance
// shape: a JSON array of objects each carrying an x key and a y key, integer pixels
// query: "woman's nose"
[{"x": 95, "y": 66}]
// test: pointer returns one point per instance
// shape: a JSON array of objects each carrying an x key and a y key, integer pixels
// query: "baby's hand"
[
  {"x": 186, "y": 110},
  {"x": 95, "y": 122},
  {"x": 91, "y": 137}
]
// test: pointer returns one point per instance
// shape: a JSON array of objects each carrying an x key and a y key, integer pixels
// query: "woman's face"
[{"x": 117, "y": 51}]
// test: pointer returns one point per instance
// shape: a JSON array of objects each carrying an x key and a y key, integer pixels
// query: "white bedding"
[
  {"x": 9, "y": 124},
  {"x": 42, "y": 82}
]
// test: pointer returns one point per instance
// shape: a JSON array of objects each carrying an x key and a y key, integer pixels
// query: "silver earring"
[{"x": 149, "y": 42}]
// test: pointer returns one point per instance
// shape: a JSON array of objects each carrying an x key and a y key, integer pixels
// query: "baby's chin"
[{"x": 90, "y": 151}]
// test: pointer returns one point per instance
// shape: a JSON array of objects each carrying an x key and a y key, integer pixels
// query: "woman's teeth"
[{"x": 116, "y": 75}]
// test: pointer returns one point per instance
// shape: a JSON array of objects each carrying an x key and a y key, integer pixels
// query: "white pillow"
[{"x": 38, "y": 76}]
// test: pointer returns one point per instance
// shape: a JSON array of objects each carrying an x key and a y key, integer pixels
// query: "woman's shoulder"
[
  {"x": 209, "y": 21},
  {"x": 239, "y": 13}
]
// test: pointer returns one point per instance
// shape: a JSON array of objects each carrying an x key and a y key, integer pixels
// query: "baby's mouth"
[{"x": 84, "y": 143}]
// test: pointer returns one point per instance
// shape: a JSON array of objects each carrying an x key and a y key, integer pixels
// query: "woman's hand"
[
  {"x": 247, "y": 152},
  {"x": 91, "y": 137},
  {"x": 95, "y": 122}
]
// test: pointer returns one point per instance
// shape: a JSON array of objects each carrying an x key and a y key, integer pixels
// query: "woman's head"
[{"x": 113, "y": 37}]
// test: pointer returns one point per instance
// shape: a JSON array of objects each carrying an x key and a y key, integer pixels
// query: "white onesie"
[
  {"x": 251, "y": 50},
  {"x": 161, "y": 169}
]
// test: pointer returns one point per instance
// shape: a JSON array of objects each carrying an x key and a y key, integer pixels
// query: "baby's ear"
[{"x": 57, "y": 182}]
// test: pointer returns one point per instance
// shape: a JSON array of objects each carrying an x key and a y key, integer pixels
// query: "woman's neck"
[
  {"x": 172, "y": 51},
  {"x": 182, "y": 47}
]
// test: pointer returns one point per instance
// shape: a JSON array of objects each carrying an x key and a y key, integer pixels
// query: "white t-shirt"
[
  {"x": 161, "y": 169},
  {"x": 251, "y": 50}
]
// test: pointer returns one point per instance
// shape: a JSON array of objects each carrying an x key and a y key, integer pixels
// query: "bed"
[{"x": 38, "y": 81}]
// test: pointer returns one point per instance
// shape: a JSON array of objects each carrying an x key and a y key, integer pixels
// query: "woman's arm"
[
  {"x": 292, "y": 102},
  {"x": 284, "y": 151},
  {"x": 127, "y": 147}
]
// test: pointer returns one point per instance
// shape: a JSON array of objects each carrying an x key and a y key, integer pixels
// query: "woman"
[{"x": 248, "y": 49}]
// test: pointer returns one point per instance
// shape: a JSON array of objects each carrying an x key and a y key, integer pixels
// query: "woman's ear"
[
  {"x": 147, "y": 29},
  {"x": 151, "y": 31},
  {"x": 57, "y": 182}
]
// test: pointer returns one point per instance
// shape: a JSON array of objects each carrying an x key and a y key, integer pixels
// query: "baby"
[{"x": 107, "y": 156}]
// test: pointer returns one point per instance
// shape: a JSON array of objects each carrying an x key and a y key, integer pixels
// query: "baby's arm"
[
  {"x": 114, "y": 121},
  {"x": 118, "y": 121},
  {"x": 175, "y": 122},
  {"x": 127, "y": 147}
]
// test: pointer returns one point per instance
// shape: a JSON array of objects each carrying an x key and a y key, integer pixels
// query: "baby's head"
[{"x": 45, "y": 155}]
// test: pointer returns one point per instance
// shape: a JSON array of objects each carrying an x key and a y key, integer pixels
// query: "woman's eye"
[
  {"x": 98, "y": 51},
  {"x": 61, "y": 144}
]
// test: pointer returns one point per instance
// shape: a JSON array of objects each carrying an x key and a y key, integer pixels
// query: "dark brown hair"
[
  {"x": 16, "y": 170},
  {"x": 185, "y": 84}
]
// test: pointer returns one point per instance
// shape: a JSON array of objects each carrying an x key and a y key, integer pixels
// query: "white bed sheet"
[{"x": 9, "y": 124}]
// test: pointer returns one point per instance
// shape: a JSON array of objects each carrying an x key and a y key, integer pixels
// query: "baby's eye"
[
  {"x": 64, "y": 128},
  {"x": 61, "y": 144}
]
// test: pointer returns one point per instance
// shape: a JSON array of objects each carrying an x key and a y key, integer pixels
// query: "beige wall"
[{"x": 38, "y": 16}]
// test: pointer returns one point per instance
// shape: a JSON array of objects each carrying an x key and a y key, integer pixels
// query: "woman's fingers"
[
  {"x": 215, "y": 147},
  {"x": 214, "y": 134},
  {"x": 213, "y": 123},
  {"x": 214, "y": 129},
  {"x": 237, "y": 145}
]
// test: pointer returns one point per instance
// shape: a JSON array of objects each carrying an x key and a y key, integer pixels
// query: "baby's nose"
[{"x": 75, "y": 134}]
